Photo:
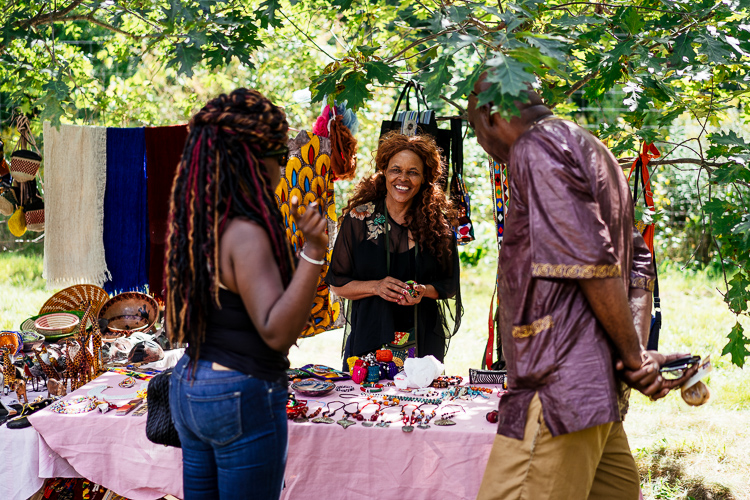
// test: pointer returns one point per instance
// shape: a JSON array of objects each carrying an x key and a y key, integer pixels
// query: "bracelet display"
[{"x": 311, "y": 260}]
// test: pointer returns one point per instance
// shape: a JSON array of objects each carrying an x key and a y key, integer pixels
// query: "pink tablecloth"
[
  {"x": 324, "y": 461},
  {"x": 328, "y": 461},
  {"x": 112, "y": 450}
]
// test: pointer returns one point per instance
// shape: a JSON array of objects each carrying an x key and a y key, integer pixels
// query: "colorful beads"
[{"x": 64, "y": 406}]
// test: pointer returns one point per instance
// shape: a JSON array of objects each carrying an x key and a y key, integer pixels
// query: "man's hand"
[{"x": 647, "y": 379}]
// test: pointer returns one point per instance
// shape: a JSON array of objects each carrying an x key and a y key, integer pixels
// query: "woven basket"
[
  {"x": 35, "y": 220},
  {"x": 56, "y": 323},
  {"x": 28, "y": 324},
  {"x": 24, "y": 164},
  {"x": 75, "y": 298},
  {"x": 8, "y": 202}
]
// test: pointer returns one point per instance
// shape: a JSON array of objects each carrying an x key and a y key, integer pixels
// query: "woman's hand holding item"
[
  {"x": 412, "y": 299},
  {"x": 313, "y": 227},
  {"x": 390, "y": 289}
]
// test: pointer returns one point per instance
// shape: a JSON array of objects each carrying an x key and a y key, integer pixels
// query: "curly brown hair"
[{"x": 431, "y": 217}]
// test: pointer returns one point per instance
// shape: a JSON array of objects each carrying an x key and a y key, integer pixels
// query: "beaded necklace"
[
  {"x": 373, "y": 417},
  {"x": 326, "y": 417},
  {"x": 65, "y": 406}
]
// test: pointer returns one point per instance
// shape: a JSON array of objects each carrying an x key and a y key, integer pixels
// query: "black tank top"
[{"x": 232, "y": 341}]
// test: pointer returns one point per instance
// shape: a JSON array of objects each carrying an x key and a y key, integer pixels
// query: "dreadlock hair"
[{"x": 220, "y": 177}]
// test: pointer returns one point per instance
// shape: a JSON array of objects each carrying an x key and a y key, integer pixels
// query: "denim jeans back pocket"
[{"x": 217, "y": 418}]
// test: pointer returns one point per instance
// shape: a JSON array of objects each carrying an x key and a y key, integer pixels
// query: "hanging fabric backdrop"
[
  {"x": 126, "y": 211},
  {"x": 75, "y": 171}
]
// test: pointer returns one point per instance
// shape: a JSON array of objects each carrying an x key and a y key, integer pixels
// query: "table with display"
[{"x": 324, "y": 460}]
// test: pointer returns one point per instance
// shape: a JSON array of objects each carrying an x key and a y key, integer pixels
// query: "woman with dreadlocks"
[{"x": 234, "y": 296}]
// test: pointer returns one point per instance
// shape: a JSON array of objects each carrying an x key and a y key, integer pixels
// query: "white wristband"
[{"x": 311, "y": 261}]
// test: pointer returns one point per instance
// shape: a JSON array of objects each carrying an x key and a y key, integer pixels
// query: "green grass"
[{"x": 682, "y": 452}]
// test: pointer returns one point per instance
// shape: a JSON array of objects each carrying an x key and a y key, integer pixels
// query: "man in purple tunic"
[{"x": 575, "y": 290}]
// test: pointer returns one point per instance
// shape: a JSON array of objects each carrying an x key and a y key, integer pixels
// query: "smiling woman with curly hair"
[{"x": 397, "y": 227}]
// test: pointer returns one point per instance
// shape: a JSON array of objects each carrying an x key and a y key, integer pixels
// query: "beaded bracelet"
[
  {"x": 344, "y": 388},
  {"x": 64, "y": 406}
]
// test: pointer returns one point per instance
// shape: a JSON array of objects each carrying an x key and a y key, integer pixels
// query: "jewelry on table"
[
  {"x": 373, "y": 418},
  {"x": 407, "y": 427},
  {"x": 345, "y": 422},
  {"x": 97, "y": 391},
  {"x": 344, "y": 388},
  {"x": 127, "y": 383},
  {"x": 80, "y": 404},
  {"x": 446, "y": 419},
  {"x": 383, "y": 422},
  {"x": 424, "y": 423},
  {"x": 348, "y": 396},
  {"x": 326, "y": 417},
  {"x": 304, "y": 418}
]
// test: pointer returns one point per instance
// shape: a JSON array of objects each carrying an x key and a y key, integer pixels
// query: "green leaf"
[
  {"x": 326, "y": 85},
  {"x": 186, "y": 56},
  {"x": 729, "y": 139},
  {"x": 438, "y": 77},
  {"x": 267, "y": 13},
  {"x": 632, "y": 20},
  {"x": 548, "y": 45},
  {"x": 736, "y": 171},
  {"x": 713, "y": 49},
  {"x": 366, "y": 50},
  {"x": 509, "y": 73},
  {"x": 51, "y": 109},
  {"x": 682, "y": 50},
  {"x": 737, "y": 345},
  {"x": 355, "y": 90},
  {"x": 380, "y": 71}
]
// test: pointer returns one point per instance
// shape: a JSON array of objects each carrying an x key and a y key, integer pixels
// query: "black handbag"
[
  {"x": 419, "y": 122},
  {"x": 160, "y": 427}
]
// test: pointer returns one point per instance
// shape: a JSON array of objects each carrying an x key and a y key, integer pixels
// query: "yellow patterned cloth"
[{"x": 308, "y": 176}]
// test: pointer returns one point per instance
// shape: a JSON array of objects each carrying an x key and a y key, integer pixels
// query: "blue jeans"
[{"x": 233, "y": 430}]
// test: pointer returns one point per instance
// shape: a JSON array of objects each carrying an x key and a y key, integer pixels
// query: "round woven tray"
[
  {"x": 29, "y": 324},
  {"x": 74, "y": 298}
]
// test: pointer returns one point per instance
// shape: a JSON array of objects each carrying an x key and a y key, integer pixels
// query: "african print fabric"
[{"x": 308, "y": 177}]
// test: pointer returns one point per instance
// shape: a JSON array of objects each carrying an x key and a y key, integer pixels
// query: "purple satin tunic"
[{"x": 570, "y": 218}]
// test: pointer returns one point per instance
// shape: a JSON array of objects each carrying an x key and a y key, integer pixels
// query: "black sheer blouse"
[{"x": 359, "y": 254}]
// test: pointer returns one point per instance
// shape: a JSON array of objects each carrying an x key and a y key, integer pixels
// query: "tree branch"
[
  {"x": 581, "y": 83},
  {"x": 421, "y": 40}
]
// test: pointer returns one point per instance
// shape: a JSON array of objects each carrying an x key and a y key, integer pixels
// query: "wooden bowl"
[
  {"x": 56, "y": 323},
  {"x": 130, "y": 312}
]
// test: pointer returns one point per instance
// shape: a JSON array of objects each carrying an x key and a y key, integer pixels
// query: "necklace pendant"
[
  {"x": 407, "y": 428},
  {"x": 345, "y": 423},
  {"x": 301, "y": 420},
  {"x": 367, "y": 423},
  {"x": 323, "y": 420},
  {"x": 443, "y": 422},
  {"x": 423, "y": 426},
  {"x": 383, "y": 424}
]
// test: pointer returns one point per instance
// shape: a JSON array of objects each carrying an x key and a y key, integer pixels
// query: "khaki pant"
[{"x": 594, "y": 463}]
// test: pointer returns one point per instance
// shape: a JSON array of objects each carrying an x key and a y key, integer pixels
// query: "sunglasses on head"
[{"x": 281, "y": 155}]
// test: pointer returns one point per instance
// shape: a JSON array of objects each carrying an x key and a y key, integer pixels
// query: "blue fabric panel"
[{"x": 126, "y": 237}]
